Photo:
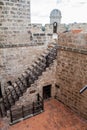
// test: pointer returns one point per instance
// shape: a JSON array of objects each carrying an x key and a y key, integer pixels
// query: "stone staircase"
[
  {"x": 16, "y": 90},
  {"x": 37, "y": 86}
]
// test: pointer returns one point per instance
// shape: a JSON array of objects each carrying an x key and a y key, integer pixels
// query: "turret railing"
[{"x": 26, "y": 111}]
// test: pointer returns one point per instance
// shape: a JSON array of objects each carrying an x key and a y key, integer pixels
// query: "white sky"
[{"x": 72, "y": 10}]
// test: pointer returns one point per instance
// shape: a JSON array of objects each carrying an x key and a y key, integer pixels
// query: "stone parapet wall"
[
  {"x": 15, "y": 60},
  {"x": 49, "y": 28},
  {"x": 72, "y": 26},
  {"x": 37, "y": 28},
  {"x": 40, "y": 34},
  {"x": 72, "y": 49},
  {"x": 41, "y": 38},
  {"x": 14, "y": 20},
  {"x": 76, "y": 40},
  {"x": 71, "y": 74},
  {"x": 82, "y": 26},
  {"x": 61, "y": 27}
]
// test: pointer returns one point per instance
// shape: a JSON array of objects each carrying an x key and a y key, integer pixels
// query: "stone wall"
[
  {"x": 41, "y": 34},
  {"x": 72, "y": 26},
  {"x": 76, "y": 40},
  {"x": 47, "y": 78},
  {"x": 14, "y": 20},
  {"x": 82, "y": 26},
  {"x": 72, "y": 73},
  {"x": 37, "y": 28},
  {"x": 15, "y": 60},
  {"x": 42, "y": 38}
]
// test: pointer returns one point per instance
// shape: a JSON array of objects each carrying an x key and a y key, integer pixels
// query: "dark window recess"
[
  {"x": 54, "y": 27},
  {"x": 29, "y": 32},
  {"x": 49, "y": 34},
  {"x": 57, "y": 86},
  {"x": 47, "y": 92},
  {"x": 31, "y": 38},
  {"x": 1, "y": 3},
  {"x": 0, "y": 91},
  {"x": 33, "y": 91},
  {"x": 9, "y": 83},
  {"x": 42, "y": 34},
  {"x": 37, "y": 34}
]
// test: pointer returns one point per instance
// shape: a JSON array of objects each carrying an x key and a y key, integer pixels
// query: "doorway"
[{"x": 46, "y": 92}]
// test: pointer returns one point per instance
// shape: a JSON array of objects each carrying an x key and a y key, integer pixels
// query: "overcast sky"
[{"x": 72, "y": 10}]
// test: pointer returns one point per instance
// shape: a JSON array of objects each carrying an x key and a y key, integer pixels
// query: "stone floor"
[{"x": 55, "y": 117}]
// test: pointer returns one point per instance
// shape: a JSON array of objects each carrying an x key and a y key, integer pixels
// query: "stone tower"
[
  {"x": 14, "y": 20},
  {"x": 14, "y": 34},
  {"x": 55, "y": 16}
]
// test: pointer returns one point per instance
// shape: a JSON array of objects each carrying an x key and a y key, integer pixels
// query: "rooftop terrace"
[{"x": 55, "y": 117}]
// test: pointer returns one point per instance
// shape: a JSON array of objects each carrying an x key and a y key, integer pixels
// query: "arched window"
[{"x": 55, "y": 27}]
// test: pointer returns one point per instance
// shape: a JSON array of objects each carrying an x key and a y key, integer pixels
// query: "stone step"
[{"x": 30, "y": 76}]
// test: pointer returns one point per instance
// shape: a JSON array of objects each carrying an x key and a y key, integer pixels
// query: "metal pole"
[
  {"x": 33, "y": 108},
  {"x": 11, "y": 118},
  {"x": 83, "y": 89},
  {"x": 23, "y": 111},
  {"x": 0, "y": 91}
]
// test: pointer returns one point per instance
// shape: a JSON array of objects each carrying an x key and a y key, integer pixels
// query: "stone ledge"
[
  {"x": 71, "y": 49},
  {"x": 20, "y": 45}
]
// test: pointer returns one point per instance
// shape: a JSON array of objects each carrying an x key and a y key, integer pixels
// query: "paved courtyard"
[{"x": 55, "y": 117}]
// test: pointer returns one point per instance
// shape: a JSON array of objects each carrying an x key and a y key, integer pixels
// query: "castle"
[{"x": 21, "y": 43}]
